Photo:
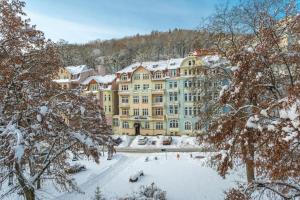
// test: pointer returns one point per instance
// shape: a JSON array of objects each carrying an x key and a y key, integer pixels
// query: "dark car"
[
  {"x": 118, "y": 140},
  {"x": 167, "y": 141}
]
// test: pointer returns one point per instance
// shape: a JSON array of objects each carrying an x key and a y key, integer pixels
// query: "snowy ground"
[
  {"x": 184, "y": 178},
  {"x": 177, "y": 142}
]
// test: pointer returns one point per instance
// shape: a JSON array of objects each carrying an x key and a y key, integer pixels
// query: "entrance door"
[{"x": 137, "y": 127}]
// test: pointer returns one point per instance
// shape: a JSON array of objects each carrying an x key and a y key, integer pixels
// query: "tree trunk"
[
  {"x": 29, "y": 193},
  {"x": 38, "y": 184},
  {"x": 248, "y": 155},
  {"x": 250, "y": 160}
]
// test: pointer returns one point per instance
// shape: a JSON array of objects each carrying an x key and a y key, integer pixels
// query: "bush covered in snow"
[{"x": 151, "y": 192}]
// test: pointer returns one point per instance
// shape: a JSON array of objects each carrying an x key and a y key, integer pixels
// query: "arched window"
[
  {"x": 124, "y": 77},
  {"x": 188, "y": 126}
]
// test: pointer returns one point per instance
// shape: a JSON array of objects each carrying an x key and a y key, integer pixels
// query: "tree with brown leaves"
[
  {"x": 262, "y": 128},
  {"x": 40, "y": 124}
]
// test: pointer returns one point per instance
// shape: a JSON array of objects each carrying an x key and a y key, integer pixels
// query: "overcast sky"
[{"x": 79, "y": 21}]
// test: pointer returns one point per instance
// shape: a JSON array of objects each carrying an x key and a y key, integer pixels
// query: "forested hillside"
[{"x": 117, "y": 53}]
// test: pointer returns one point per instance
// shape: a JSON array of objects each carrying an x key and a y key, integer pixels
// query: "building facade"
[{"x": 159, "y": 98}]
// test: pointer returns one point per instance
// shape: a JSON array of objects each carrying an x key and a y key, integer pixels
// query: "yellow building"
[{"x": 141, "y": 98}]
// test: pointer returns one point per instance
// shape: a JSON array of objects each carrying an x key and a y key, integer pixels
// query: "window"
[
  {"x": 216, "y": 84},
  {"x": 188, "y": 111},
  {"x": 194, "y": 62},
  {"x": 115, "y": 122},
  {"x": 94, "y": 87},
  {"x": 173, "y": 73},
  {"x": 109, "y": 108},
  {"x": 185, "y": 97},
  {"x": 145, "y": 86},
  {"x": 175, "y": 109},
  {"x": 175, "y": 96},
  {"x": 170, "y": 85},
  {"x": 145, "y": 111},
  {"x": 124, "y": 99},
  {"x": 125, "y": 125},
  {"x": 175, "y": 84},
  {"x": 124, "y": 77},
  {"x": 158, "y": 111},
  {"x": 173, "y": 123},
  {"x": 190, "y": 63},
  {"x": 105, "y": 97},
  {"x": 109, "y": 98},
  {"x": 135, "y": 99},
  {"x": 158, "y": 99},
  {"x": 185, "y": 84},
  {"x": 190, "y": 83},
  {"x": 144, "y": 99},
  {"x": 147, "y": 125},
  {"x": 190, "y": 96},
  {"x": 124, "y": 87},
  {"x": 158, "y": 75},
  {"x": 159, "y": 126},
  {"x": 187, "y": 126},
  {"x": 145, "y": 76},
  {"x": 136, "y": 76},
  {"x": 185, "y": 72},
  {"x": 171, "y": 109},
  {"x": 158, "y": 86},
  {"x": 137, "y": 87},
  {"x": 125, "y": 111},
  {"x": 136, "y": 112},
  {"x": 171, "y": 97},
  {"x": 105, "y": 108}
]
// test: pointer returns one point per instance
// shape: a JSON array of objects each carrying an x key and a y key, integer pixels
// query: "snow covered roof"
[
  {"x": 100, "y": 79},
  {"x": 77, "y": 69},
  {"x": 173, "y": 63}
]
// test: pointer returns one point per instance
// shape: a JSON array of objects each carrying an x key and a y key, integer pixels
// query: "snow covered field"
[{"x": 184, "y": 178}]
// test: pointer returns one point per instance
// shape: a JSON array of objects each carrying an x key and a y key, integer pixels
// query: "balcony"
[
  {"x": 157, "y": 104},
  {"x": 124, "y": 104},
  {"x": 161, "y": 91}
]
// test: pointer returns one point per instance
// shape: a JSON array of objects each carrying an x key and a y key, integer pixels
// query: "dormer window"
[
  {"x": 154, "y": 66},
  {"x": 158, "y": 75},
  {"x": 124, "y": 77}
]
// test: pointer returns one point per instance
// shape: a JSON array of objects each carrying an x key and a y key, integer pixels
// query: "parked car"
[
  {"x": 75, "y": 169},
  {"x": 118, "y": 140},
  {"x": 142, "y": 141},
  {"x": 167, "y": 141},
  {"x": 135, "y": 178}
]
